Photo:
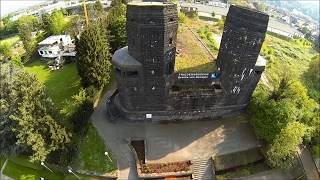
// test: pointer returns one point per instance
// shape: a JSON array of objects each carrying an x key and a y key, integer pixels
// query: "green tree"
[
  {"x": 312, "y": 78},
  {"x": 30, "y": 113},
  {"x": 117, "y": 3},
  {"x": 26, "y": 24},
  {"x": 97, "y": 6},
  {"x": 93, "y": 57},
  {"x": 8, "y": 26},
  {"x": 46, "y": 23},
  {"x": 57, "y": 23},
  {"x": 281, "y": 152},
  {"x": 271, "y": 112},
  {"x": 213, "y": 14},
  {"x": 116, "y": 25},
  {"x": 74, "y": 27},
  {"x": 5, "y": 49},
  {"x": 96, "y": 11}
]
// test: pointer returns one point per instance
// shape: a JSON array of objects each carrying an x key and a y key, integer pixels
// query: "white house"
[{"x": 56, "y": 46}]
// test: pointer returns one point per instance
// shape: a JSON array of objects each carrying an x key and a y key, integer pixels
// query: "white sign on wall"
[{"x": 148, "y": 116}]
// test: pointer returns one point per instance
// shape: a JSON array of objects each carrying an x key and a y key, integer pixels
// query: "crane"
[{"x": 85, "y": 12}]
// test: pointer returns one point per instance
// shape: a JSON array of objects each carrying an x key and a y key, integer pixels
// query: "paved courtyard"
[{"x": 173, "y": 141}]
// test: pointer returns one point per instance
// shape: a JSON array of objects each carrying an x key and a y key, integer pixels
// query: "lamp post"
[
  {"x": 70, "y": 171},
  {"x": 107, "y": 154},
  {"x": 42, "y": 164}
]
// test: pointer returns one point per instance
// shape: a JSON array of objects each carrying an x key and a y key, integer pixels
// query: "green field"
[
  {"x": 20, "y": 168},
  {"x": 61, "y": 84},
  {"x": 91, "y": 155}
]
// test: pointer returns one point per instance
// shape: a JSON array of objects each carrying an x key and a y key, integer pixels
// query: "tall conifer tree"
[{"x": 93, "y": 57}]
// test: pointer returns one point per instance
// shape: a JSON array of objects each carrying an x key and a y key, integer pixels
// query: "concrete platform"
[{"x": 174, "y": 141}]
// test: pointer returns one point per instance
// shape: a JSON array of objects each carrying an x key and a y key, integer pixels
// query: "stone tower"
[
  {"x": 143, "y": 68},
  {"x": 243, "y": 35}
]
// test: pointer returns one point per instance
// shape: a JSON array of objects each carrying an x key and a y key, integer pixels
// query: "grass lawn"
[
  {"x": 61, "y": 84},
  {"x": 22, "y": 169},
  {"x": 91, "y": 155}
]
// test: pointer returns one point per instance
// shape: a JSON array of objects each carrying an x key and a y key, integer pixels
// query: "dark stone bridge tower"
[
  {"x": 152, "y": 33},
  {"x": 243, "y": 35},
  {"x": 149, "y": 89}
]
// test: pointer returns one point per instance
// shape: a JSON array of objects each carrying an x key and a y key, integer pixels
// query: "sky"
[{"x": 8, "y": 6}]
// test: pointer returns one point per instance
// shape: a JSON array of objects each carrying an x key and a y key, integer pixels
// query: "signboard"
[{"x": 198, "y": 75}]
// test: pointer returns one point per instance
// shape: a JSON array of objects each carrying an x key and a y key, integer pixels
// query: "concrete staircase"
[{"x": 202, "y": 169}]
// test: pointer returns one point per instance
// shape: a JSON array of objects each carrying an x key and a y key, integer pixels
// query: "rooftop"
[
  {"x": 53, "y": 39},
  {"x": 141, "y": 3},
  {"x": 122, "y": 59}
]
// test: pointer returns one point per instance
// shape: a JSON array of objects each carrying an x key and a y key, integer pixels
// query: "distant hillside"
[{"x": 308, "y": 8}]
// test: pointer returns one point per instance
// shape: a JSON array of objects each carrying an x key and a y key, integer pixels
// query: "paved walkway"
[
  {"x": 174, "y": 141},
  {"x": 308, "y": 163}
]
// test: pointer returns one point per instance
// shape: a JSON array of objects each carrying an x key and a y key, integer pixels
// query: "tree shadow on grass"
[{"x": 207, "y": 67}]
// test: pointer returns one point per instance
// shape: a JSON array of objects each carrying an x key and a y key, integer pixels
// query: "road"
[
  {"x": 273, "y": 23},
  {"x": 308, "y": 163}
]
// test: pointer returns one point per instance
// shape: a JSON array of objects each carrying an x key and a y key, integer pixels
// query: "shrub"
[{"x": 281, "y": 152}]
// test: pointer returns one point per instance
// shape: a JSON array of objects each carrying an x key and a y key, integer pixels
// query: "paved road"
[
  {"x": 172, "y": 142},
  {"x": 273, "y": 23},
  {"x": 308, "y": 163}
]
